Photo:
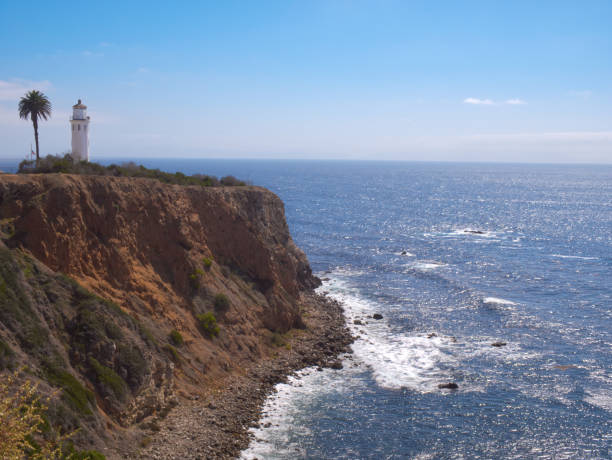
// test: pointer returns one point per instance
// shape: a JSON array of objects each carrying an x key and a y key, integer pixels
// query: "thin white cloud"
[
  {"x": 12, "y": 90},
  {"x": 476, "y": 101},
  {"x": 515, "y": 102}
]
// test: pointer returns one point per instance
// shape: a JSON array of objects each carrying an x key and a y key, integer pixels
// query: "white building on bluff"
[{"x": 80, "y": 132}]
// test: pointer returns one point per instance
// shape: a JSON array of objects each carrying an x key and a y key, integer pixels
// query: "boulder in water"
[
  {"x": 448, "y": 386},
  {"x": 377, "y": 316},
  {"x": 499, "y": 344}
]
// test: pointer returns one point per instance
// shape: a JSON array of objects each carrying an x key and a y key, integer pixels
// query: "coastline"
[{"x": 217, "y": 426}]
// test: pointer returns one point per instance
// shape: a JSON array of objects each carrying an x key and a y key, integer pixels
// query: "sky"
[{"x": 517, "y": 81}]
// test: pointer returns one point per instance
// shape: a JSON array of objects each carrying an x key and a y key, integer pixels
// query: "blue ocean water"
[{"x": 455, "y": 257}]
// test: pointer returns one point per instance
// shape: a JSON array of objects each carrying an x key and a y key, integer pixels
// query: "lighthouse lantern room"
[{"x": 80, "y": 132}]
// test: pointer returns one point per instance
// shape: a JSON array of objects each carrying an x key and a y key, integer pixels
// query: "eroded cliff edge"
[{"x": 99, "y": 274}]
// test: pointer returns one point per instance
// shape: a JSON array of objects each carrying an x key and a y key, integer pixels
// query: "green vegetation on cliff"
[
  {"x": 77, "y": 346},
  {"x": 67, "y": 165},
  {"x": 208, "y": 324}
]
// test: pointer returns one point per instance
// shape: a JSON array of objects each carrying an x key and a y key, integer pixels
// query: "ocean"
[{"x": 455, "y": 257}]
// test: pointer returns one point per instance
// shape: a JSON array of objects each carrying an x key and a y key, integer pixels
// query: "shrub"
[
  {"x": 278, "y": 340},
  {"x": 208, "y": 324},
  {"x": 16, "y": 312},
  {"x": 146, "y": 334},
  {"x": 207, "y": 262},
  {"x": 79, "y": 397},
  {"x": 176, "y": 338},
  {"x": 22, "y": 419},
  {"x": 131, "y": 359},
  {"x": 70, "y": 453},
  {"x": 87, "y": 455},
  {"x": 7, "y": 356},
  {"x": 194, "y": 278},
  {"x": 232, "y": 181},
  {"x": 222, "y": 303},
  {"x": 172, "y": 352},
  {"x": 108, "y": 379}
]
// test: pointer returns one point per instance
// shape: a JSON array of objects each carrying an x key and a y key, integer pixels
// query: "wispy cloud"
[
  {"x": 476, "y": 101},
  {"x": 12, "y": 90}
]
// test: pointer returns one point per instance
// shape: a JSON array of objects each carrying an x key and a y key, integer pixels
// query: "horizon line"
[{"x": 364, "y": 160}]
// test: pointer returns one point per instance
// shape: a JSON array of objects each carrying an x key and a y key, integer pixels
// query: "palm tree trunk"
[{"x": 35, "y": 123}]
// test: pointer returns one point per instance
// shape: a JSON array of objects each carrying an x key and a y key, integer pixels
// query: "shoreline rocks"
[{"x": 218, "y": 426}]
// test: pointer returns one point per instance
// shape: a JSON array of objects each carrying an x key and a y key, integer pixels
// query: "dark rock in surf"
[
  {"x": 358, "y": 322},
  {"x": 377, "y": 316},
  {"x": 499, "y": 344},
  {"x": 448, "y": 386},
  {"x": 431, "y": 335}
]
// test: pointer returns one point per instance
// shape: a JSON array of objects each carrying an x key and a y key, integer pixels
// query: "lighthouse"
[{"x": 80, "y": 132}]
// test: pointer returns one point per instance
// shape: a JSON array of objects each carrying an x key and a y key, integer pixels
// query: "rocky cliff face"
[{"x": 108, "y": 270}]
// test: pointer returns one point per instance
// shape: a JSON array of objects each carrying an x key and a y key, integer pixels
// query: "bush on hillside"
[
  {"x": 208, "y": 324},
  {"x": 207, "y": 261},
  {"x": 221, "y": 303},
  {"x": 176, "y": 337}
]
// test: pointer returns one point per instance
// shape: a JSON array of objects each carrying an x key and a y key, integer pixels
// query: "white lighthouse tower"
[{"x": 80, "y": 132}]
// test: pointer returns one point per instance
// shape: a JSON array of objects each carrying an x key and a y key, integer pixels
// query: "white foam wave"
[
  {"x": 498, "y": 301},
  {"x": 561, "y": 256},
  {"x": 395, "y": 360},
  {"x": 472, "y": 232},
  {"x": 280, "y": 429},
  {"x": 426, "y": 265},
  {"x": 600, "y": 398}
]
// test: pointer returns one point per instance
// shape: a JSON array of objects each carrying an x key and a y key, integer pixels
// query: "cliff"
[{"x": 110, "y": 288}]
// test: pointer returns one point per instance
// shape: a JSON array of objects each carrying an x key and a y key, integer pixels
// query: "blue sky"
[{"x": 401, "y": 80}]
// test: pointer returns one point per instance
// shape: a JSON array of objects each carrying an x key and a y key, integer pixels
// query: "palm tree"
[{"x": 35, "y": 105}]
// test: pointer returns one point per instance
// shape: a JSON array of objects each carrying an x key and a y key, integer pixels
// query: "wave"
[
  {"x": 279, "y": 429},
  {"x": 561, "y": 256},
  {"x": 473, "y": 232},
  {"x": 426, "y": 265},
  {"x": 396, "y": 360},
  {"x": 467, "y": 232},
  {"x": 600, "y": 398},
  {"x": 498, "y": 301}
]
